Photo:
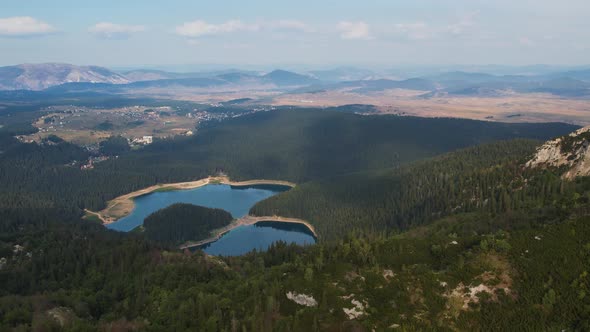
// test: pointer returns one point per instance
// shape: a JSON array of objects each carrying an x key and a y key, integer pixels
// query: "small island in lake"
[{"x": 179, "y": 223}]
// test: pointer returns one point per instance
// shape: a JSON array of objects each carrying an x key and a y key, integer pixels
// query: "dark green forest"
[
  {"x": 114, "y": 146},
  {"x": 424, "y": 224},
  {"x": 99, "y": 280},
  {"x": 297, "y": 146},
  {"x": 181, "y": 222},
  {"x": 486, "y": 178}
]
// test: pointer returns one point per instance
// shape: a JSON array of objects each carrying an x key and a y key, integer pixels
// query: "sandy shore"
[
  {"x": 247, "y": 220},
  {"x": 123, "y": 205}
]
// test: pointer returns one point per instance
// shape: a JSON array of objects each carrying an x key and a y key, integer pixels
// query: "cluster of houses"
[
  {"x": 92, "y": 161},
  {"x": 145, "y": 140}
]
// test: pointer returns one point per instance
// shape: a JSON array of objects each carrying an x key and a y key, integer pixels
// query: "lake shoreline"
[
  {"x": 123, "y": 205},
  {"x": 247, "y": 220}
]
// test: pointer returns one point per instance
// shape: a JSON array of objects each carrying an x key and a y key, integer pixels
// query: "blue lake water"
[
  {"x": 258, "y": 236},
  {"x": 237, "y": 201}
]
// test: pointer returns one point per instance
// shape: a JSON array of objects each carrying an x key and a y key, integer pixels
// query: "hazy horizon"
[
  {"x": 269, "y": 34},
  {"x": 491, "y": 67}
]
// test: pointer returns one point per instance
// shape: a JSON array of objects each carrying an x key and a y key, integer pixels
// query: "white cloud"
[
  {"x": 23, "y": 26},
  {"x": 414, "y": 31},
  {"x": 113, "y": 30},
  {"x": 354, "y": 30},
  {"x": 201, "y": 28}
]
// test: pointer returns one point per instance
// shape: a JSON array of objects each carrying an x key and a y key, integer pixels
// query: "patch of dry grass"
[{"x": 508, "y": 108}]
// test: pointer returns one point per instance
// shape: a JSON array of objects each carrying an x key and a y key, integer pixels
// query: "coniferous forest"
[
  {"x": 181, "y": 222},
  {"x": 423, "y": 224}
]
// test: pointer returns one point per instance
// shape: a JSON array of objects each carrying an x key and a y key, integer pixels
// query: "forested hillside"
[
  {"x": 410, "y": 237},
  {"x": 512, "y": 271},
  {"x": 487, "y": 178},
  {"x": 180, "y": 222},
  {"x": 302, "y": 145},
  {"x": 296, "y": 146}
]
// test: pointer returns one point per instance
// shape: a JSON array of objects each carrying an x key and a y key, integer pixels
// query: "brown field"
[
  {"x": 209, "y": 95},
  {"x": 81, "y": 127},
  {"x": 509, "y": 108}
]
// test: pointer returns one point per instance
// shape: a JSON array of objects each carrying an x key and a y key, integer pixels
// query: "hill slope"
[
  {"x": 287, "y": 78},
  {"x": 308, "y": 144},
  {"x": 522, "y": 268},
  {"x": 491, "y": 178},
  {"x": 295, "y": 146},
  {"x": 479, "y": 178}
]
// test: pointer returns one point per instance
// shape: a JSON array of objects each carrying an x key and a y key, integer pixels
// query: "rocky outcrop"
[
  {"x": 302, "y": 299},
  {"x": 357, "y": 310},
  {"x": 570, "y": 152}
]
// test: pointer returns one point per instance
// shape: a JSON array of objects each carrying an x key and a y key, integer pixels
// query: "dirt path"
[
  {"x": 247, "y": 220},
  {"x": 121, "y": 206},
  {"x": 96, "y": 214}
]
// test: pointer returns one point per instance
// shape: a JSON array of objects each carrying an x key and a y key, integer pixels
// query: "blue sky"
[{"x": 128, "y": 33}]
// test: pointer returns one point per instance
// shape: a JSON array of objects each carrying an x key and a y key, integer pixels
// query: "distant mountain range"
[
  {"x": 42, "y": 76},
  {"x": 154, "y": 75},
  {"x": 51, "y": 75},
  {"x": 343, "y": 74},
  {"x": 69, "y": 78}
]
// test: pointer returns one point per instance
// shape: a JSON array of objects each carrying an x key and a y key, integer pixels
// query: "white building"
[{"x": 145, "y": 140}]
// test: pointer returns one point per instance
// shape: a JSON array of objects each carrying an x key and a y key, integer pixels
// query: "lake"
[
  {"x": 258, "y": 236},
  {"x": 235, "y": 200}
]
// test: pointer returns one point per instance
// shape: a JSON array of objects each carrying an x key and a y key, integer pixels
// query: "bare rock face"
[
  {"x": 358, "y": 309},
  {"x": 302, "y": 299},
  {"x": 45, "y": 75},
  {"x": 571, "y": 152}
]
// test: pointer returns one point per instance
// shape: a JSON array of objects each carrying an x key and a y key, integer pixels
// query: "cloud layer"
[
  {"x": 469, "y": 31},
  {"x": 201, "y": 28},
  {"x": 24, "y": 26},
  {"x": 113, "y": 30},
  {"x": 346, "y": 30}
]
